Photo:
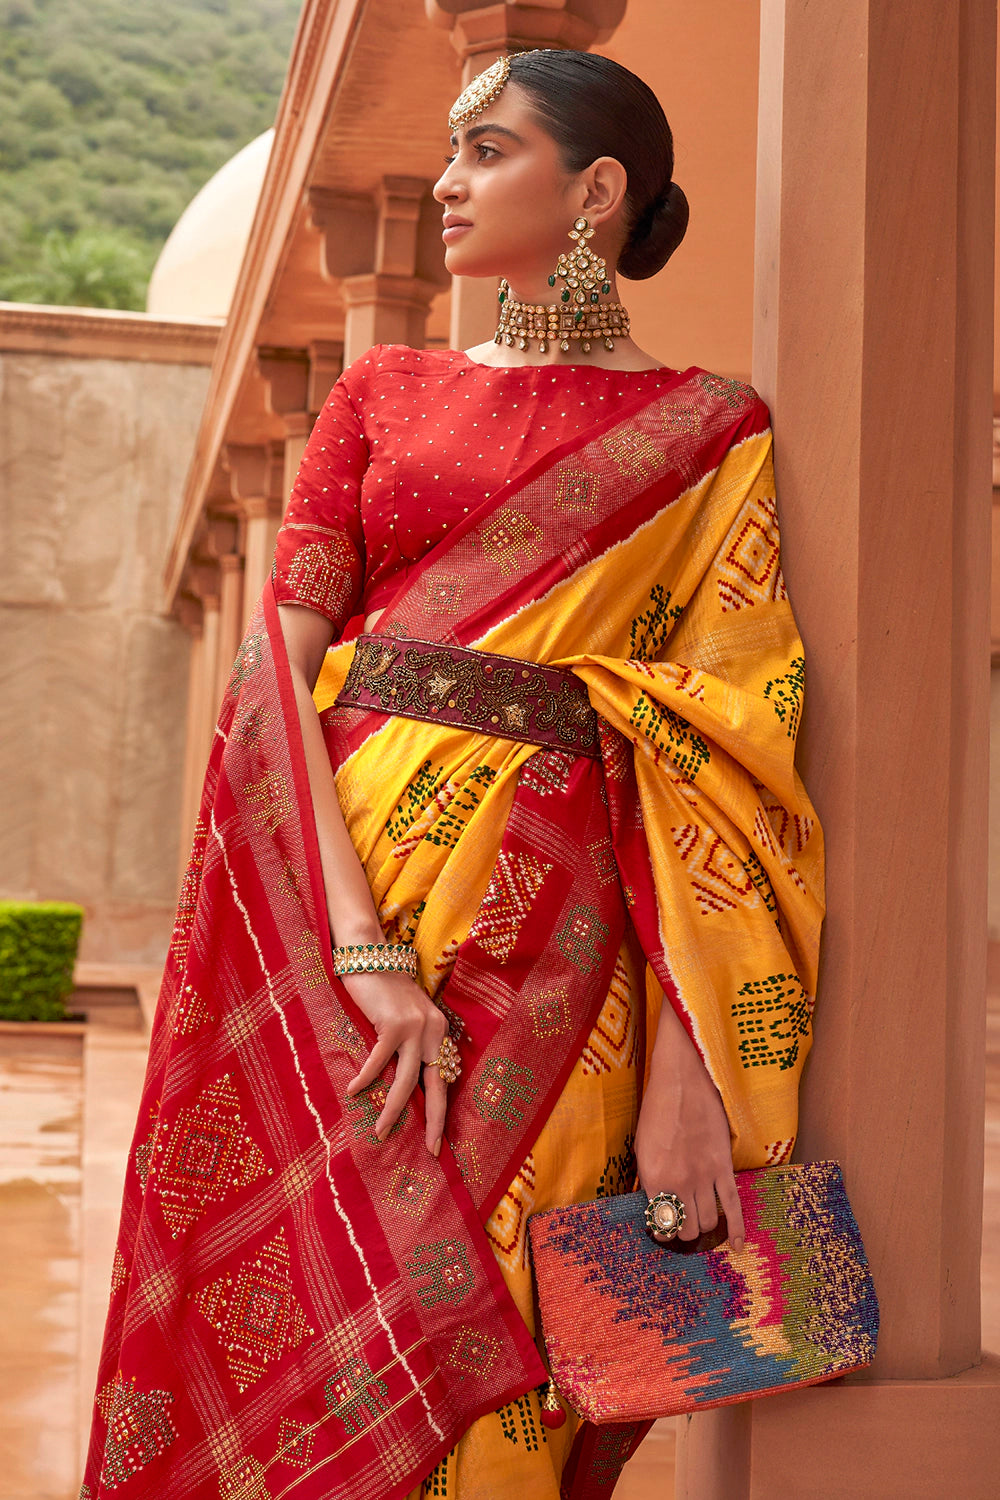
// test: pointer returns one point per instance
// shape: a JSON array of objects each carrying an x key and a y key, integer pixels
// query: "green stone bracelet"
[{"x": 375, "y": 958}]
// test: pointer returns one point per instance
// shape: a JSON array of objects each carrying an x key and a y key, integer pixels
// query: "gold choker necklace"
[{"x": 520, "y": 322}]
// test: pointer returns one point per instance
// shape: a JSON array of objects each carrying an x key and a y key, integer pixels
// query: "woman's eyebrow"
[{"x": 478, "y": 130}]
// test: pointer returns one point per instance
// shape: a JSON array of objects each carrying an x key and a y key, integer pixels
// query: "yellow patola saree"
[{"x": 300, "y": 1309}]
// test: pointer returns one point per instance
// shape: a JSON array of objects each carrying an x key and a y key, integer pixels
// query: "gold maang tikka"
[
  {"x": 578, "y": 316},
  {"x": 482, "y": 91}
]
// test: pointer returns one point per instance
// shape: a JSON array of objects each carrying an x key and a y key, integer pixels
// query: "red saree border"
[
  {"x": 228, "y": 1095},
  {"x": 447, "y": 1166}
]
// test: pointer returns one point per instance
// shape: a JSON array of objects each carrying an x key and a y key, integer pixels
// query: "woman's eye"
[{"x": 449, "y": 159}]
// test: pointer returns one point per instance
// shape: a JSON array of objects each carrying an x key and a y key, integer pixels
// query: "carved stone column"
[
  {"x": 384, "y": 310},
  {"x": 224, "y": 537},
  {"x": 256, "y": 477},
  {"x": 326, "y": 361},
  {"x": 297, "y": 382},
  {"x": 386, "y": 252},
  {"x": 489, "y": 31},
  {"x": 480, "y": 34},
  {"x": 874, "y": 352},
  {"x": 197, "y": 608},
  {"x": 286, "y": 381},
  {"x": 995, "y": 568},
  {"x": 189, "y": 612},
  {"x": 205, "y": 579}
]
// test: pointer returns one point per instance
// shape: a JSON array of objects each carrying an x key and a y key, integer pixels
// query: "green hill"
[{"x": 113, "y": 113}]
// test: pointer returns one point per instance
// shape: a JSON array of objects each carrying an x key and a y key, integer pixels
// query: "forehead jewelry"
[
  {"x": 579, "y": 316},
  {"x": 481, "y": 91}
]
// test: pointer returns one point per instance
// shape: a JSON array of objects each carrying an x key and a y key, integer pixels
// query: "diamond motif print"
[
  {"x": 205, "y": 1156},
  {"x": 256, "y": 1315}
]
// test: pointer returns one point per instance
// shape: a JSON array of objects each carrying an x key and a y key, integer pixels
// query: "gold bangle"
[{"x": 375, "y": 958}]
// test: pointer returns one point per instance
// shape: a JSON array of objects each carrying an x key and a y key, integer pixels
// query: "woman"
[{"x": 558, "y": 769}]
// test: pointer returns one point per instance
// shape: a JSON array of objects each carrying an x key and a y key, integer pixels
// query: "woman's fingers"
[
  {"x": 701, "y": 1211},
  {"x": 402, "y": 1086},
  {"x": 701, "y": 1207},
  {"x": 730, "y": 1200},
  {"x": 689, "y": 1230},
  {"x": 414, "y": 1037},
  {"x": 435, "y": 1104},
  {"x": 376, "y": 1060},
  {"x": 435, "y": 1088},
  {"x": 706, "y": 1213}
]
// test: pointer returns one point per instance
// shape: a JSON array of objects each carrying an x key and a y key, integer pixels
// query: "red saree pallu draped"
[{"x": 296, "y": 1308}]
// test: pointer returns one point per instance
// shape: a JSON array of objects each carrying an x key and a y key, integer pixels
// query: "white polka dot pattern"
[{"x": 411, "y": 440}]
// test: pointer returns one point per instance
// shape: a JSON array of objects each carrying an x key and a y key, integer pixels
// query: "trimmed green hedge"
[{"x": 38, "y": 943}]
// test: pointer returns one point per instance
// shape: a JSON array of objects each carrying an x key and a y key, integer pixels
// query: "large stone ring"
[
  {"x": 448, "y": 1060},
  {"x": 665, "y": 1214}
]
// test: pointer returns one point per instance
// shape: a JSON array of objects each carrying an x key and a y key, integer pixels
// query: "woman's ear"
[{"x": 607, "y": 182}]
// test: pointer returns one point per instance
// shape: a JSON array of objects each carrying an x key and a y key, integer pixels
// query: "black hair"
[{"x": 594, "y": 107}]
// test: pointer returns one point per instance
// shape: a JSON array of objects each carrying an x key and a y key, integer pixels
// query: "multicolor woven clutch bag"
[{"x": 634, "y": 1330}]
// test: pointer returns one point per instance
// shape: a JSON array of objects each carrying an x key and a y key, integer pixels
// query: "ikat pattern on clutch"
[{"x": 634, "y": 1329}]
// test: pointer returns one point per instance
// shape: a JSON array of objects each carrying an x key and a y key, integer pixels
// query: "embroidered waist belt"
[{"x": 476, "y": 690}]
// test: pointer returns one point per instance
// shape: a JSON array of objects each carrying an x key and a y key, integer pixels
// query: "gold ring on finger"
[
  {"x": 448, "y": 1061},
  {"x": 665, "y": 1214}
]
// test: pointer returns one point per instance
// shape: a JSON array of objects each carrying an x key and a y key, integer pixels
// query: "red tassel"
[{"x": 553, "y": 1414}]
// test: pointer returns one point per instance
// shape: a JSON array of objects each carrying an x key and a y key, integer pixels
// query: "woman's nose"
[{"x": 447, "y": 187}]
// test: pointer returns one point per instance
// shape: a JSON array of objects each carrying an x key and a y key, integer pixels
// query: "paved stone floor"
[{"x": 68, "y": 1101}]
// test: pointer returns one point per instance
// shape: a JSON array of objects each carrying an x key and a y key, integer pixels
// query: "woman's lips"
[{"x": 454, "y": 232}]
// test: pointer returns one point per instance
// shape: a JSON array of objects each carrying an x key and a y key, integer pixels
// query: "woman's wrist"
[{"x": 674, "y": 1051}]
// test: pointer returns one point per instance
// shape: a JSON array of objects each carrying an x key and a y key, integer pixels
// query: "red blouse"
[{"x": 408, "y": 441}]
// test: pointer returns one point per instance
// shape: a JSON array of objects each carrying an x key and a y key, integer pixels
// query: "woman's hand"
[
  {"x": 410, "y": 1026},
  {"x": 682, "y": 1141}
]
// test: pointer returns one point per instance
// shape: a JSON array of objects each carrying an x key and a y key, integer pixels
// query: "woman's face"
[{"x": 505, "y": 183}]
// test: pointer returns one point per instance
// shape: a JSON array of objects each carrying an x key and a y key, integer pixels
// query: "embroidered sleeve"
[{"x": 319, "y": 557}]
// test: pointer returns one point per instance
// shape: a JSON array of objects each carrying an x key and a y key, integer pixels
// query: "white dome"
[{"x": 197, "y": 268}]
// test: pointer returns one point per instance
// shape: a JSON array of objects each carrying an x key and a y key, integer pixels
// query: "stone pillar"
[
  {"x": 297, "y": 383},
  {"x": 298, "y": 426},
  {"x": 326, "y": 361},
  {"x": 188, "y": 611},
  {"x": 873, "y": 348},
  {"x": 256, "y": 477},
  {"x": 205, "y": 578},
  {"x": 995, "y": 567},
  {"x": 386, "y": 252},
  {"x": 198, "y": 608},
  {"x": 230, "y": 617},
  {"x": 286, "y": 382},
  {"x": 480, "y": 34}
]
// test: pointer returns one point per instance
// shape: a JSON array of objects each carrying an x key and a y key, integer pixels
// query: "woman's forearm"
[
  {"x": 349, "y": 904},
  {"x": 674, "y": 1053},
  {"x": 683, "y": 1137}
]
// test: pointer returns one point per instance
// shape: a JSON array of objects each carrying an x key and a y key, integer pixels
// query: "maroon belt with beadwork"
[{"x": 476, "y": 690}]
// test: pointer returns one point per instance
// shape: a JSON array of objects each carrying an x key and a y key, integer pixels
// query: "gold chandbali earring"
[{"x": 579, "y": 314}]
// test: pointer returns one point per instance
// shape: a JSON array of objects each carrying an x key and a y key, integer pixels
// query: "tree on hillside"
[
  {"x": 94, "y": 268},
  {"x": 113, "y": 113}
]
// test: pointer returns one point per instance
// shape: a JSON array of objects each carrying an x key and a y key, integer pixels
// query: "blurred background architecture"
[{"x": 841, "y": 170}]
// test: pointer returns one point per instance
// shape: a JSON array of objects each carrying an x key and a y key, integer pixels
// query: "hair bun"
[{"x": 655, "y": 235}]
